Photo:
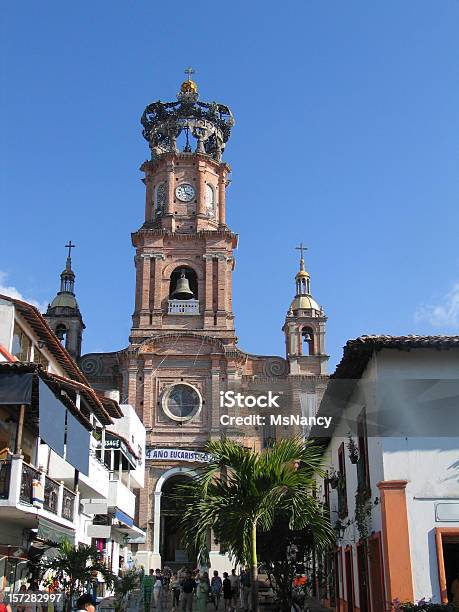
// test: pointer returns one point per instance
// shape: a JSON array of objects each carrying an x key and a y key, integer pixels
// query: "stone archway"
[{"x": 166, "y": 536}]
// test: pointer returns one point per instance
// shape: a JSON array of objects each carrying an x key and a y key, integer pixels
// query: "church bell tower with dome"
[
  {"x": 304, "y": 328},
  {"x": 63, "y": 314},
  {"x": 183, "y": 351}
]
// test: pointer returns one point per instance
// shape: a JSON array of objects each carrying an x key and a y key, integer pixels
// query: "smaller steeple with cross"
[
  {"x": 68, "y": 265},
  {"x": 303, "y": 286},
  {"x": 68, "y": 276},
  {"x": 63, "y": 314},
  {"x": 301, "y": 248}
]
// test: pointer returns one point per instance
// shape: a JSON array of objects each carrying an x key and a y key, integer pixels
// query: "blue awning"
[{"x": 124, "y": 518}]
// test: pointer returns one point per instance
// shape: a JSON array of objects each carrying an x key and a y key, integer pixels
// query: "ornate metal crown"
[{"x": 208, "y": 122}]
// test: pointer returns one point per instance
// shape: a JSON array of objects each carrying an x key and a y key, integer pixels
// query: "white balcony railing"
[
  {"x": 183, "y": 307},
  {"x": 25, "y": 488}
]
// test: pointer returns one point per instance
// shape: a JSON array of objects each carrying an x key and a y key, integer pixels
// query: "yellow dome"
[
  {"x": 64, "y": 300},
  {"x": 302, "y": 274},
  {"x": 189, "y": 86},
  {"x": 304, "y": 302}
]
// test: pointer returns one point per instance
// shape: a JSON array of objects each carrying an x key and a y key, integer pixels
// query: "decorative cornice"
[{"x": 392, "y": 485}]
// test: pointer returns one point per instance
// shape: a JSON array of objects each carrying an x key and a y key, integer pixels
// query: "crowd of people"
[{"x": 187, "y": 591}]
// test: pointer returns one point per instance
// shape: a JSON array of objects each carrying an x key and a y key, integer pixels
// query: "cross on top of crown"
[{"x": 189, "y": 71}]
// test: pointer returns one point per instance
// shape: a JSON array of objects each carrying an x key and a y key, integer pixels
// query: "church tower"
[
  {"x": 183, "y": 356},
  {"x": 63, "y": 314},
  {"x": 184, "y": 250},
  {"x": 304, "y": 328}
]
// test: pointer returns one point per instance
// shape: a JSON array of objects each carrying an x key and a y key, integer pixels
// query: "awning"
[
  {"x": 15, "y": 387},
  {"x": 116, "y": 442},
  {"x": 124, "y": 518},
  {"x": 51, "y": 532},
  {"x": 52, "y": 419}
]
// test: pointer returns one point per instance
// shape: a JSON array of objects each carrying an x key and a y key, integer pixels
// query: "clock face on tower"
[
  {"x": 181, "y": 402},
  {"x": 185, "y": 192}
]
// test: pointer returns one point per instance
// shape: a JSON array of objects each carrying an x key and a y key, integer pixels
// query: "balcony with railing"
[
  {"x": 183, "y": 307},
  {"x": 95, "y": 484},
  {"x": 25, "y": 490}
]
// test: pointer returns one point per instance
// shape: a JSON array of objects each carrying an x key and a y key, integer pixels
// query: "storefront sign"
[
  {"x": 112, "y": 441},
  {"x": 177, "y": 454}
]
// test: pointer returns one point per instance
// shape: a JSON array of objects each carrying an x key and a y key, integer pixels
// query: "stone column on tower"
[
  {"x": 145, "y": 295},
  {"x": 222, "y": 198}
]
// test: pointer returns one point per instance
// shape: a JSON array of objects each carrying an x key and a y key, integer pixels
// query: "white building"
[
  {"x": 53, "y": 451},
  {"x": 399, "y": 398}
]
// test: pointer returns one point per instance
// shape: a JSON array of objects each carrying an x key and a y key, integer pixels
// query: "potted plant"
[
  {"x": 333, "y": 479},
  {"x": 352, "y": 447}
]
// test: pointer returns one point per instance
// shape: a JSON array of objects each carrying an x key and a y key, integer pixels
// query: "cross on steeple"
[
  {"x": 189, "y": 71},
  {"x": 70, "y": 246},
  {"x": 301, "y": 248}
]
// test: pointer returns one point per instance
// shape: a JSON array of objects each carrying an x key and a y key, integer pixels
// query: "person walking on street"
[
  {"x": 202, "y": 593},
  {"x": 216, "y": 588},
  {"x": 246, "y": 585},
  {"x": 227, "y": 592},
  {"x": 235, "y": 585},
  {"x": 188, "y": 588},
  {"x": 147, "y": 584},
  {"x": 158, "y": 591},
  {"x": 175, "y": 588}
]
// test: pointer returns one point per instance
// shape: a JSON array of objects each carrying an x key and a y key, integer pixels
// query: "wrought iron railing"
[
  {"x": 29, "y": 474},
  {"x": 68, "y": 504},
  {"x": 5, "y": 472},
  {"x": 51, "y": 495}
]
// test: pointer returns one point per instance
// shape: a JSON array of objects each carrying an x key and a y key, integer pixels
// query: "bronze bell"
[{"x": 182, "y": 290}]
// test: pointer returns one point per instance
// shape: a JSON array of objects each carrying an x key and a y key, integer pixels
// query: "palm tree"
[
  {"x": 241, "y": 490},
  {"x": 124, "y": 585},
  {"x": 75, "y": 568}
]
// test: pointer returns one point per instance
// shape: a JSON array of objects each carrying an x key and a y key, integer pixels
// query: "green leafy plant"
[
  {"x": 422, "y": 605},
  {"x": 353, "y": 449},
  {"x": 74, "y": 568},
  {"x": 240, "y": 491},
  {"x": 362, "y": 513},
  {"x": 123, "y": 585}
]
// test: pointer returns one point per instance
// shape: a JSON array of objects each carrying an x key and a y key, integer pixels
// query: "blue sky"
[{"x": 346, "y": 138}]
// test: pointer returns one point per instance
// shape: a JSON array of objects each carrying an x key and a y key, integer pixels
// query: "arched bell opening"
[
  {"x": 183, "y": 284},
  {"x": 61, "y": 333},
  {"x": 307, "y": 341},
  {"x": 183, "y": 292}
]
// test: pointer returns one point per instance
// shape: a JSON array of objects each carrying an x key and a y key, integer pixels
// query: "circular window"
[{"x": 181, "y": 402}]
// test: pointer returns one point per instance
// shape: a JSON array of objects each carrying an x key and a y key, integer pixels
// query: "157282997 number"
[{"x": 33, "y": 597}]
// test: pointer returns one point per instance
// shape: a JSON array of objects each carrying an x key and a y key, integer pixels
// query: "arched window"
[
  {"x": 160, "y": 199},
  {"x": 210, "y": 200},
  {"x": 307, "y": 346},
  {"x": 61, "y": 333},
  {"x": 183, "y": 284}
]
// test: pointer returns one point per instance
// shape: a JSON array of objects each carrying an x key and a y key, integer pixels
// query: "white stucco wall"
[{"x": 429, "y": 464}]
